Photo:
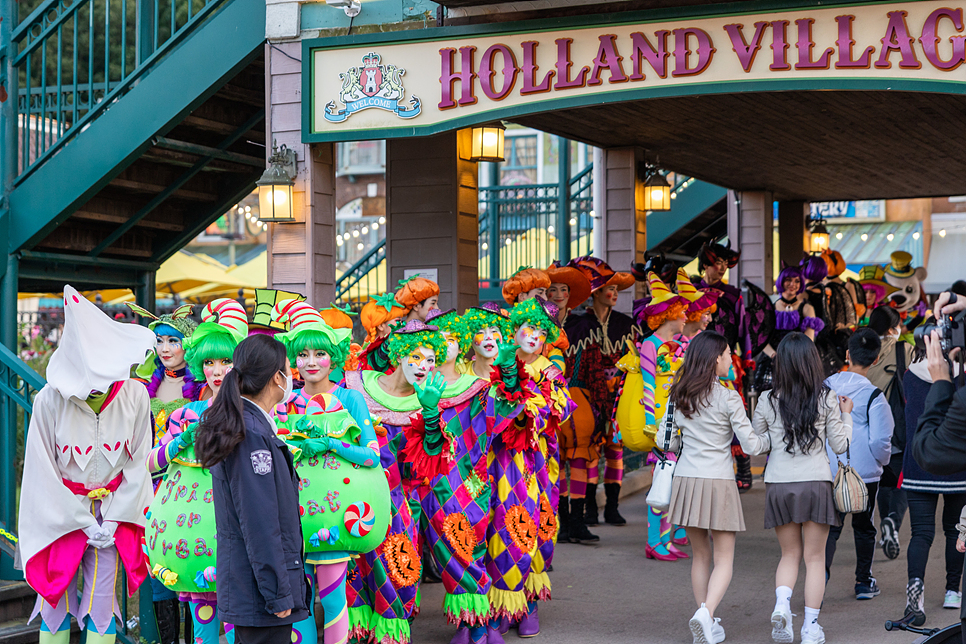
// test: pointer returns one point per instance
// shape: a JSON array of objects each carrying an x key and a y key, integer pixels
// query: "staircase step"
[
  {"x": 16, "y": 601},
  {"x": 20, "y": 632}
]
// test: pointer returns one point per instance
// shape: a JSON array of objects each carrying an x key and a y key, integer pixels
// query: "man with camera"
[{"x": 939, "y": 445}]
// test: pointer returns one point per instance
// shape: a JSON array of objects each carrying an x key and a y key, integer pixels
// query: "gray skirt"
[
  {"x": 800, "y": 502},
  {"x": 711, "y": 504}
]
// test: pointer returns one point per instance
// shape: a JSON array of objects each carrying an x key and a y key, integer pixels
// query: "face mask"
[{"x": 287, "y": 390}]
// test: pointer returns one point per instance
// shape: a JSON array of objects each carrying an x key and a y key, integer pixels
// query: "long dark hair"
[
  {"x": 695, "y": 380},
  {"x": 256, "y": 360},
  {"x": 798, "y": 384}
]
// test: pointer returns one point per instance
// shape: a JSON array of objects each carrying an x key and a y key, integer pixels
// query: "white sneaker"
[
  {"x": 717, "y": 631},
  {"x": 953, "y": 599},
  {"x": 781, "y": 624},
  {"x": 814, "y": 634},
  {"x": 702, "y": 626}
]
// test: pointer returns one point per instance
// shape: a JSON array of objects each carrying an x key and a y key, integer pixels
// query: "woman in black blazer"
[{"x": 261, "y": 582}]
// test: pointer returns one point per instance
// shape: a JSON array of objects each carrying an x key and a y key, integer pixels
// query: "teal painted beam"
[
  {"x": 64, "y": 258},
  {"x": 318, "y": 15},
  {"x": 688, "y": 205},
  {"x": 116, "y": 139}
]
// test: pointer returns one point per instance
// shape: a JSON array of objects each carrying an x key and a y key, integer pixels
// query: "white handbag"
[{"x": 659, "y": 496}]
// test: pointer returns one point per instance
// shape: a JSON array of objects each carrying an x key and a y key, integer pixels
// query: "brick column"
[
  {"x": 301, "y": 256},
  {"x": 619, "y": 207},
  {"x": 432, "y": 214},
  {"x": 750, "y": 229}
]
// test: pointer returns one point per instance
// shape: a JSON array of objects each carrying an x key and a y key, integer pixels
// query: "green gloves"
[
  {"x": 187, "y": 437},
  {"x": 431, "y": 392},
  {"x": 314, "y": 446},
  {"x": 507, "y": 357}
]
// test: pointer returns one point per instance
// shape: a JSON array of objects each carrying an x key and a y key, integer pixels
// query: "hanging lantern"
[
  {"x": 275, "y": 187},
  {"x": 487, "y": 143},
  {"x": 818, "y": 238},
  {"x": 657, "y": 192}
]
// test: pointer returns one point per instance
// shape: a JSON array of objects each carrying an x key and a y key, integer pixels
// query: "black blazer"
[
  {"x": 939, "y": 445},
  {"x": 259, "y": 566}
]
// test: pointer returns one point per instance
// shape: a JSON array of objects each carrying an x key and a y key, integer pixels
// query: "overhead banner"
[{"x": 432, "y": 80}]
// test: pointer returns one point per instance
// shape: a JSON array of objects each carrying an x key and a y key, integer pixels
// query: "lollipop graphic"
[{"x": 359, "y": 519}]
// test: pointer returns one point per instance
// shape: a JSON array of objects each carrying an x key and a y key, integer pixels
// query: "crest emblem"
[
  {"x": 262, "y": 462},
  {"x": 373, "y": 85}
]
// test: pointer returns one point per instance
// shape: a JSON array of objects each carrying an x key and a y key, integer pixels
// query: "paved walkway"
[{"x": 610, "y": 593}]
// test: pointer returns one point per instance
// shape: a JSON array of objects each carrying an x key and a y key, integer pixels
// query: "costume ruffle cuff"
[
  {"x": 467, "y": 609},
  {"x": 430, "y": 450},
  {"x": 509, "y": 382}
]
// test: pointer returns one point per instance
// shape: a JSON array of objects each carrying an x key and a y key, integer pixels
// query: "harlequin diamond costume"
[
  {"x": 524, "y": 466},
  {"x": 383, "y": 584},
  {"x": 171, "y": 386},
  {"x": 85, "y": 488},
  {"x": 344, "y": 495},
  {"x": 660, "y": 357},
  {"x": 452, "y": 485},
  {"x": 181, "y": 540},
  {"x": 597, "y": 341}
]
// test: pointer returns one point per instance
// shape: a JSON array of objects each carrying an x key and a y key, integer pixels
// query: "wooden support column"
[
  {"x": 301, "y": 255},
  {"x": 750, "y": 229},
  {"x": 792, "y": 233},
  {"x": 432, "y": 214},
  {"x": 623, "y": 238}
]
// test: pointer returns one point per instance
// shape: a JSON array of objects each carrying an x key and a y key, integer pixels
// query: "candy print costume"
[
  {"x": 84, "y": 465},
  {"x": 350, "y": 443},
  {"x": 383, "y": 584},
  {"x": 595, "y": 348},
  {"x": 181, "y": 543}
]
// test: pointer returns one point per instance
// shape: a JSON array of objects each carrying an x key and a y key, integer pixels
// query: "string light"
[
  {"x": 573, "y": 221},
  {"x": 550, "y": 229},
  {"x": 838, "y": 235},
  {"x": 942, "y": 233},
  {"x": 382, "y": 220},
  {"x": 485, "y": 245},
  {"x": 915, "y": 235},
  {"x": 865, "y": 237},
  {"x": 375, "y": 225},
  {"x": 338, "y": 241},
  {"x": 355, "y": 233},
  {"x": 890, "y": 236},
  {"x": 365, "y": 230},
  {"x": 360, "y": 246}
]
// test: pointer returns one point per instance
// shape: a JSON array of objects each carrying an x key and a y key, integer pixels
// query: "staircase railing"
[
  {"x": 74, "y": 58},
  {"x": 361, "y": 279}
]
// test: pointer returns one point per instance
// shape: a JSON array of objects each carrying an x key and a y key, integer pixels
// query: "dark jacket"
[
  {"x": 260, "y": 568},
  {"x": 939, "y": 445},
  {"x": 915, "y": 477}
]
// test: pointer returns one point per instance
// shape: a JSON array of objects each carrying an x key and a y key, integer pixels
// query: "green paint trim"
[{"x": 620, "y": 96}]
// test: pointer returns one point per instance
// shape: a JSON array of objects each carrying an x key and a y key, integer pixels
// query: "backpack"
[{"x": 896, "y": 397}]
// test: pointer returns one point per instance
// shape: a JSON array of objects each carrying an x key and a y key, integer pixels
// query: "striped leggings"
[{"x": 584, "y": 472}]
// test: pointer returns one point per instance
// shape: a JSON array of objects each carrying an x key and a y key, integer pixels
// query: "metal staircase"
[{"x": 698, "y": 214}]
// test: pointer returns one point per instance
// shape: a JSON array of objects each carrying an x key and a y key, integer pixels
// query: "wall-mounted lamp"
[
  {"x": 275, "y": 187},
  {"x": 487, "y": 143}
]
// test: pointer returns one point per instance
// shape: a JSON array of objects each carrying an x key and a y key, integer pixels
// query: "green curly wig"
[
  {"x": 213, "y": 346},
  {"x": 476, "y": 319},
  {"x": 399, "y": 345},
  {"x": 452, "y": 323},
  {"x": 310, "y": 339},
  {"x": 532, "y": 312}
]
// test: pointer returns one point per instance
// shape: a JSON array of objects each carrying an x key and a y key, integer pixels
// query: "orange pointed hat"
[
  {"x": 661, "y": 297},
  {"x": 600, "y": 274},
  {"x": 575, "y": 280},
  {"x": 699, "y": 300}
]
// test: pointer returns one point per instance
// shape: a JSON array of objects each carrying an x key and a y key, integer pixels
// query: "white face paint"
[
  {"x": 530, "y": 339},
  {"x": 452, "y": 347},
  {"x": 170, "y": 350},
  {"x": 418, "y": 364},
  {"x": 487, "y": 341}
]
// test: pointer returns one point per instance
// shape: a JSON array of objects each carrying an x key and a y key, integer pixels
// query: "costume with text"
[
  {"x": 88, "y": 440},
  {"x": 181, "y": 543},
  {"x": 597, "y": 341},
  {"x": 344, "y": 496},
  {"x": 524, "y": 465},
  {"x": 382, "y": 585},
  {"x": 660, "y": 358}
]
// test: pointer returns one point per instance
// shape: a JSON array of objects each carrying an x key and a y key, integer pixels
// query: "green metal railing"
[
  {"x": 74, "y": 58},
  {"x": 532, "y": 226},
  {"x": 361, "y": 279}
]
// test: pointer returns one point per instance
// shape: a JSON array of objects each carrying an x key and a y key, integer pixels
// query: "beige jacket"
[{"x": 795, "y": 466}]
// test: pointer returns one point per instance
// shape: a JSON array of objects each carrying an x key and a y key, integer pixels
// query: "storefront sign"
[
  {"x": 849, "y": 212},
  {"x": 432, "y": 80}
]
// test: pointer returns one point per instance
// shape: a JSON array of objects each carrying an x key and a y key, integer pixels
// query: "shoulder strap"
[
  {"x": 875, "y": 394},
  {"x": 900, "y": 358}
]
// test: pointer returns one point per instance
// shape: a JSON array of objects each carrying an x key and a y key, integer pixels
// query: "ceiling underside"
[{"x": 800, "y": 145}]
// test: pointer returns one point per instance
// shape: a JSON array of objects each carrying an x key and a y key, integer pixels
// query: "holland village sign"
[{"x": 428, "y": 81}]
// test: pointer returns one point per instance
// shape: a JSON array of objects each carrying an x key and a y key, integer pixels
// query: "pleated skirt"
[
  {"x": 800, "y": 502},
  {"x": 711, "y": 504}
]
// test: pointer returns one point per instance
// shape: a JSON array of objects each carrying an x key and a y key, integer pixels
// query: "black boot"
[
  {"x": 168, "y": 614},
  {"x": 430, "y": 572},
  {"x": 611, "y": 515},
  {"x": 590, "y": 516},
  {"x": 189, "y": 626},
  {"x": 578, "y": 530},
  {"x": 563, "y": 520}
]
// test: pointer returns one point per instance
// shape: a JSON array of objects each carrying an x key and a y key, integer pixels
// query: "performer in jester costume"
[
  {"x": 488, "y": 327},
  {"x": 170, "y": 386},
  {"x": 452, "y": 486},
  {"x": 316, "y": 349},
  {"x": 382, "y": 586},
  {"x": 661, "y": 356},
  {"x": 524, "y": 464},
  {"x": 597, "y": 341},
  {"x": 181, "y": 540},
  {"x": 85, "y": 488}
]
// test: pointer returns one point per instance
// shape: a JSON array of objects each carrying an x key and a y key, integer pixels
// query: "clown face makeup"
[
  {"x": 452, "y": 347},
  {"x": 541, "y": 291},
  {"x": 314, "y": 366},
  {"x": 215, "y": 372},
  {"x": 530, "y": 339},
  {"x": 418, "y": 364},
  {"x": 559, "y": 294},
  {"x": 607, "y": 295},
  {"x": 170, "y": 350},
  {"x": 486, "y": 342}
]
